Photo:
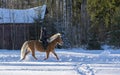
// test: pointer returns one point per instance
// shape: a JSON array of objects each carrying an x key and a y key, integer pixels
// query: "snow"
[
  {"x": 75, "y": 61},
  {"x": 21, "y": 15}
]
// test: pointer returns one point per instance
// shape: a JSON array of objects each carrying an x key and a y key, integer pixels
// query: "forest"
[{"x": 82, "y": 23}]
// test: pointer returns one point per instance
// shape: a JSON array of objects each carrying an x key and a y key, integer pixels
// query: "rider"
[{"x": 43, "y": 37}]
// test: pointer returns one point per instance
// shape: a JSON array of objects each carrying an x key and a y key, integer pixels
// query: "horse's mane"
[{"x": 52, "y": 38}]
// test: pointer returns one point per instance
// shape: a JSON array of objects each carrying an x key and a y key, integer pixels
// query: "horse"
[{"x": 33, "y": 45}]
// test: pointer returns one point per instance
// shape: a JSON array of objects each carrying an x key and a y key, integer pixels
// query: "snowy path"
[
  {"x": 39, "y": 68},
  {"x": 106, "y": 69},
  {"x": 72, "y": 62},
  {"x": 60, "y": 68}
]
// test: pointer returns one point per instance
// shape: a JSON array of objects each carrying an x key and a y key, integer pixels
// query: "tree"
[
  {"x": 102, "y": 15},
  {"x": 114, "y": 30}
]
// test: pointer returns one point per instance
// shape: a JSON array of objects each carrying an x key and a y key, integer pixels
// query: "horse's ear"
[{"x": 60, "y": 35}]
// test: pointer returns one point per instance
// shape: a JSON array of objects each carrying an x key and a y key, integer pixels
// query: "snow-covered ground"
[{"x": 74, "y": 61}]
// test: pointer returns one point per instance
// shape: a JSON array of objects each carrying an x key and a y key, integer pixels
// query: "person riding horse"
[{"x": 44, "y": 37}]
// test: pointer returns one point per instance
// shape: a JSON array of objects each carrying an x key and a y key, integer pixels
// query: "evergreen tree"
[
  {"x": 114, "y": 30},
  {"x": 102, "y": 17}
]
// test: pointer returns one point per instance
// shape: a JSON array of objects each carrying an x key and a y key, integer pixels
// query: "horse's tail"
[{"x": 23, "y": 50}]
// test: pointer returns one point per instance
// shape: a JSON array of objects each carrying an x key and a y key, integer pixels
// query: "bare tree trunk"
[
  {"x": 84, "y": 22},
  {"x": 70, "y": 29}
]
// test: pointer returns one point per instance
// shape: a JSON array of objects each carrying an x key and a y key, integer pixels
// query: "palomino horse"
[{"x": 32, "y": 45}]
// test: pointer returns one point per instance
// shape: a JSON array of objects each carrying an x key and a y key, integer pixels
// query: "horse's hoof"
[
  {"x": 45, "y": 59},
  {"x": 57, "y": 58}
]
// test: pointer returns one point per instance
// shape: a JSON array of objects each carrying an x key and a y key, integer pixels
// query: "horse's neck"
[{"x": 54, "y": 42}]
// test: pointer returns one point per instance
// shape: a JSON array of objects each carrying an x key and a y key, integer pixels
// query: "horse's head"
[
  {"x": 59, "y": 40},
  {"x": 56, "y": 38}
]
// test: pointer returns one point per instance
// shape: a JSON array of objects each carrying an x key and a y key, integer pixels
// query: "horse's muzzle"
[{"x": 60, "y": 43}]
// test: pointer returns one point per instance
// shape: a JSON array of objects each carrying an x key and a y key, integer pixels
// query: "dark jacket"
[{"x": 44, "y": 37}]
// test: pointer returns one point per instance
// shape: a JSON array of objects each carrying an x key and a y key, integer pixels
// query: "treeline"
[
  {"x": 105, "y": 20},
  {"x": 88, "y": 23},
  {"x": 83, "y": 23}
]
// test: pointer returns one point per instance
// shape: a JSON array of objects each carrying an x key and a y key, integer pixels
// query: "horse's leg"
[
  {"x": 26, "y": 54},
  {"x": 47, "y": 55},
  {"x": 55, "y": 55},
  {"x": 23, "y": 57},
  {"x": 33, "y": 53}
]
